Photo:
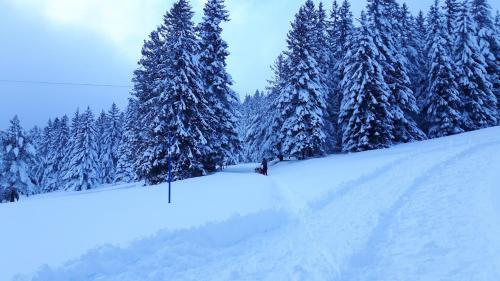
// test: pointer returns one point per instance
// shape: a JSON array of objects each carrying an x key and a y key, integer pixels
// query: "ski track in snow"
[
  {"x": 303, "y": 217},
  {"x": 366, "y": 260},
  {"x": 364, "y": 228}
]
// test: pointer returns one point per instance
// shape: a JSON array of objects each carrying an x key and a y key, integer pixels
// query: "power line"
[{"x": 63, "y": 83}]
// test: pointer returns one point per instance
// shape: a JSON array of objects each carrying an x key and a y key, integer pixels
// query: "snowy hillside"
[{"x": 421, "y": 211}]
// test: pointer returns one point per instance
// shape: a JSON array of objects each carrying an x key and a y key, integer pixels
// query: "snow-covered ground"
[{"x": 422, "y": 211}]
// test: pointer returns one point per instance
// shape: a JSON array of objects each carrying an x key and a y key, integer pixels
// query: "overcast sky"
[{"x": 99, "y": 42}]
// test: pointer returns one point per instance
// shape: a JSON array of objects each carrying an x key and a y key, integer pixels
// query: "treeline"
[
  {"x": 390, "y": 78},
  {"x": 76, "y": 154},
  {"x": 340, "y": 86}
]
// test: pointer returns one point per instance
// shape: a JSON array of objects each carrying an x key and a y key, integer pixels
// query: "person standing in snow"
[
  {"x": 264, "y": 167},
  {"x": 13, "y": 194}
]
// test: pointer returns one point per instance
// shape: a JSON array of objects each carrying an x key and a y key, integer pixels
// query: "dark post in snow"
[{"x": 169, "y": 168}]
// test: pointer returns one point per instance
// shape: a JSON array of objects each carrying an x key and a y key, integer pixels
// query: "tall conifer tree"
[
  {"x": 382, "y": 18},
  {"x": 443, "y": 107},
  {"x": 18, "y": 157},
  {"x": 83, "y": 166},
  {"x": 302, "y": 102},
  {"x": 365, "y": 116},
  {"x": 180, "y": 109},
  {"x": 126, "y": 171},
  {"x": 110, "y": 142},
  {"x": 222, "y": 99},
  {"x": 475, "y": 87},
  {"x": 489, "y": 44}
]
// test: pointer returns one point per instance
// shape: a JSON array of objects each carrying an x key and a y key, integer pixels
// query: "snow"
[{"x": 421, "y": 211}]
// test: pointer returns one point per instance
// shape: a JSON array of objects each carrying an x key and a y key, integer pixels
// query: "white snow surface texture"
[{"x": 421, "y": 211}]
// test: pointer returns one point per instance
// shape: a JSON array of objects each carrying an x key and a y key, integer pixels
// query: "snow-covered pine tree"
[
  {"x": 263, "y": 131},
  {"x": 332, "y": 98},
  {"x": 420, "y": 25},
  {"x": 252, "y": 107},
  {"x": 60, "y": 152},
  {"x": 345, "y": 29},
  {"x": 340, "y": 28},
  {"x": 382, "y": 18},
  {"x": 222, "y": 99},
  {"x": 271, "y": 117},
  {"x": 443, "y": 107},
  {"x": 82, "y": 168},
  {"x": 46, "y": 154},
  {"x": 111, "y": 137},
  {"x": 247, "y": 109},
  {"x": 365, "y": 118},
  {"x": 475, "y": 88},
  {"x": 489, "y": 44},
  {"x": 145, "y": 80},
  {"x": 451, "y": 13},
  {"x": 18, "y": 157},
  {"x": 421, "y": 37},
  {"x": 412, "y": 48},
  {"x": 323, "y": 52},
  {"x": 333, "y": 30},
  {"x": 127, "y": 154},
  {"x": 100, "y": 128},
  {"x": 302, "y": 101},
  {"x": 35, "y": 135},
  {"x": 181, "y": 109}
]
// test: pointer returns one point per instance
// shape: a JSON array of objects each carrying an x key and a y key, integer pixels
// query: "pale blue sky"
[{"x": 99, "y": 41}]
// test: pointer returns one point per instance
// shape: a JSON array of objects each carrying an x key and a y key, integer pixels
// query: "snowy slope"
[{"x": 422, "y": 211}]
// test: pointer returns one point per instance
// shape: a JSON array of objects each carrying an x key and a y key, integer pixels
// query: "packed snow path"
[{"x": 423, "y": 211}]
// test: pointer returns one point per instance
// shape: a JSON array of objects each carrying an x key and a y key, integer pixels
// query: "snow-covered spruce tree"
[
  {"x": 72, "y": 140},
  {"x": 100, "y": 128},
  {"x": 411, "y": 41},
  {"x": 443, "y": 107},
  {"x": 18, "y": 157},
  {"x": 489, "y": 44},
  {"x": 331, "y": 83},
  {"x": 365, "y": 118},
  {"x": 181, "y": 109},
  {"x": 262, "y": 136},
  {"x": 247, "y": 110},
  {"x": 302, "y": 104},
  {"x": 111, "y": 138},
  {"x": 144, "y": 80},
  {"x": 46, "y": 152},
  {"x": 60, "y": 154},
  {"x": 451, "y": 13},
  {"x": 82, "y": 168},
  {"x": 323, "y": 56},
  {"x": 126, "y": 171},
  {"x": 37, "y": 169},
  {"x": 421, "y": 37},
  {"x": 252, "y": 107},
  {"x": 340, "y": 28},
  {"x": 271, "y": 117},
  {"x": 475, "y": 88},
  {"x": 322, "y": 50},
  {"x": 333, "y": 30},
  {"x": 223, "y": 101},
  {"x": 385, "y": 30}
]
